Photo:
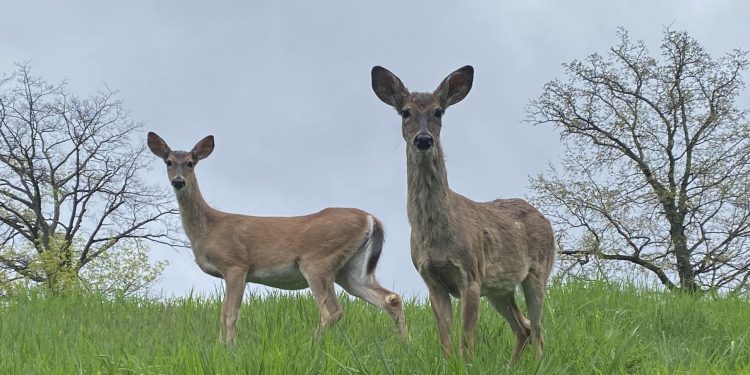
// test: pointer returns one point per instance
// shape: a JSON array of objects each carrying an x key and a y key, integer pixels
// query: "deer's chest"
[
  {"x": 447, "y": 270},
  {"x": 208, "y": 267}
]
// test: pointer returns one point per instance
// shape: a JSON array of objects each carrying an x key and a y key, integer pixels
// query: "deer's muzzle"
[
  {"x": 423, "y": 141},
  {"x": 178, "y": 182}
]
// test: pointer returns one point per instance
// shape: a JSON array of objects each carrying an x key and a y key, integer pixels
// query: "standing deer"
[
  {"x": 339, "y": 245},
  {"x": 463, "y": 248}
]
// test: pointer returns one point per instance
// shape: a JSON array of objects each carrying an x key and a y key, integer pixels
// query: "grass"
[{"x": 589, "y": 329}]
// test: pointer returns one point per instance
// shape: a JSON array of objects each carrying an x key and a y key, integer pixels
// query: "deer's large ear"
[
  {"x": 455, "y": 86},
  {"x": 388, "y": 87},
  {"x": 158, "y": 146},
  {"x": 203, "y": 148}
]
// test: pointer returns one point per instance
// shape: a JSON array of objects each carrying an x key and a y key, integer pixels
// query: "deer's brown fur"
[
  {"x": 460, "y": 247},
  {"x": 339, "y": 245}
]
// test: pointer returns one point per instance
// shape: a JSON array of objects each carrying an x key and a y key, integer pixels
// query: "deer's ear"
[
  {"x": 455, "y": 86},
  {"x": 158, "y": 146},
  {"x": 388, "y": 87},
  {"x": 203, "y": 148}
]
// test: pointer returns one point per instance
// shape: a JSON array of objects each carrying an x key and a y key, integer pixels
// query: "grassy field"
[{"x": 589, "y": 328}]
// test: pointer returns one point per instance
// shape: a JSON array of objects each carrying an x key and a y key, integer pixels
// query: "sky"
[{"x": 284, "y": 87}]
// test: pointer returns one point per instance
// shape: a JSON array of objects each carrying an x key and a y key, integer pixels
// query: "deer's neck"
[
  {"x": 431, "y": 213},
  {"x": 194, "y": 211}
]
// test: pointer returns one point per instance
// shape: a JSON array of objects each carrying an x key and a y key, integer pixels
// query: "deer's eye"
[
  {"x": 405, "y": 114},
  {"x": 169, "y": 163},
  {"x": 439, "y": 113},
  {"x": 190, "y": 164}
]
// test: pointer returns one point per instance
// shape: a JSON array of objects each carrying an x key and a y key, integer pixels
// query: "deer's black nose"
[
  {"x": 423, "y": 141},
  {"x": 178, "y": 182}
]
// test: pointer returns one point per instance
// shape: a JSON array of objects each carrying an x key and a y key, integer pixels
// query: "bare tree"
[
  {"x": 656, "y": 170},
  {"x": 70, "y": 189}
]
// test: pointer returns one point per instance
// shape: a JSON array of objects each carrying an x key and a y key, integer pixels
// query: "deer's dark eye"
[
  {"x": 169, "y": 163},
  {"x": 190, "y": 164},
  {"x": 439, "y": 113},
  {"x": 405, "y": 114}
]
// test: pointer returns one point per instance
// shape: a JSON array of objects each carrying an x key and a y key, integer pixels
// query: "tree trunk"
[{"x": 684, "y": 268}]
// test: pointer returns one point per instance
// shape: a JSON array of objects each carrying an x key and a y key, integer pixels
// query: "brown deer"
[
  {"x": 339, "y": 245},
  {"x": 463, "y": 248}
]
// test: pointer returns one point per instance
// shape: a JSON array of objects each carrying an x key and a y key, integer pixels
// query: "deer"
[
  {"x": 341, "y": 245},
  {"x": 462, "y": 248}
]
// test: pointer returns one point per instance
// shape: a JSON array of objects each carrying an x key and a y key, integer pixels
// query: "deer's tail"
[{"x": 374, "y": 245}]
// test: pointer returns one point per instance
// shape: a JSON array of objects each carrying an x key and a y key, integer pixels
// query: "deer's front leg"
[
  {"x": 235, "y": 288},
  {"x": 469, "y": 316},
  {"x": 440, "y": 301}
]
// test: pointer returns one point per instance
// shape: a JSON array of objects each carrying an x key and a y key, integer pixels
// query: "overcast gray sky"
[{"x": 285, "y": 89}]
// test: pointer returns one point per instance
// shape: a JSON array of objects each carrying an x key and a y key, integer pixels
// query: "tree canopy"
[
  {"x": 70, "y": 184},
  {"x": 655, "y": 175}
]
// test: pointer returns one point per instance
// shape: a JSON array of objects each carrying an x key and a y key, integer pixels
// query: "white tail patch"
[{"x": 368, "y": 245}]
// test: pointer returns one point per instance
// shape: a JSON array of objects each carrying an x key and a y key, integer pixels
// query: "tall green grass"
[{"x": 589, "y": 329}]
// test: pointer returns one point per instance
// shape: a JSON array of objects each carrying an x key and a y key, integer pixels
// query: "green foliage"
[
  {"x": 56, "y": 264},
  {"x": 591, "y": 328},
  {"x": 52, "y": 263},
  {"x": 122, "y": 270}
]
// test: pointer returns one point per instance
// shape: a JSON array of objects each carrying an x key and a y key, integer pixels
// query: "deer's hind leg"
[
  {"x": 533, "y": 290},
  {"x": 366, "y": 287},
  {"x": 321, "y": 286},
  {"x": 506, "y": 305}
]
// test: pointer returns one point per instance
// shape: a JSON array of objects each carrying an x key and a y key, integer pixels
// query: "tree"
[
  {"x": 70, "y": 191},
  {"x": 656, "y": 171}
]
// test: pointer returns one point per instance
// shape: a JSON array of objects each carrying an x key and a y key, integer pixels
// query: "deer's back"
[{"x": 261, "y": 243}]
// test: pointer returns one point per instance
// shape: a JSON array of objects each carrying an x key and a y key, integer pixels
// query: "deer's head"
[
  {"x": 180, "y": 164},
  {"x": 421, "y": 113}
]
